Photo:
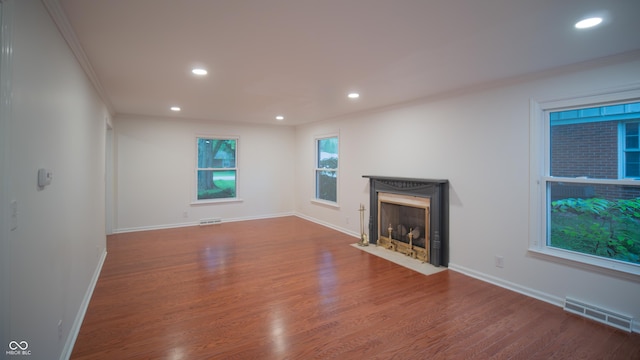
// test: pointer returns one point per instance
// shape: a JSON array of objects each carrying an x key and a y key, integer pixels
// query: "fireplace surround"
[{"x": 431, "y": 195}]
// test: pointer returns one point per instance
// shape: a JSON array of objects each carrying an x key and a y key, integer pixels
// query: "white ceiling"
[{"x": 300, "y": 58}]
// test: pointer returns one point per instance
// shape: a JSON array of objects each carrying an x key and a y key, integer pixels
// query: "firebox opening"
[
  {"x": 403, "y": 220},
  {"x": 404, "y": 224}
]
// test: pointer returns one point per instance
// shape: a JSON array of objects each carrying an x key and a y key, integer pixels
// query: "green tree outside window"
[{"x": 217, "y": 168}]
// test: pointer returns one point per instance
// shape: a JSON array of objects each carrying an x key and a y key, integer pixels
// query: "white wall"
[
  {"x": 155, "y": 172},
  {"x": 57, "y": 122},
  {"x": 479, "y": 140}
]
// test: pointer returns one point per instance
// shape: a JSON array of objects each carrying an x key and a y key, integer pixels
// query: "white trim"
[
  {"x": 6, "y": 60},
  {"x": 194, "y": 193},
  {"x": 539, "y": 295},
  {"x": 197, "y": 223},
  {"x": 527, "y": 291},
  {"x": 77, "y": 323},
  {"x": 66, "y": 30},
  {"x": 539, "y": 167},
  {"x": 329, "y": 225},
  {"x": 602, "y": 96},
  {"x": 109, "y": 166},
  {"x": 594, "y": 263},
  {"x": 621, "y": 152},
  {"x": 316, "y": 169},
  {"x": 580, "y": 180},
  {"x": 536, "y": 169},
  {"x": 326, "y": 203},
  {"x": 155, "y": 227},
  {"x": 216, "y": 201},
  {"x": 595, "y": 120}
]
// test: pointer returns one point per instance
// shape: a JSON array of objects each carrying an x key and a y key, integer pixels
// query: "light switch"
[{"x": 14, "y": 215}]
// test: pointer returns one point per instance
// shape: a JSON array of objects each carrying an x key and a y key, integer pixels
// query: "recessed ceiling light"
[
  {"x": 353, "y": 95},
  {"x": 279, "y": 117},
  {"x": 175, "y": 108},
  {"x": 199, "y": 71},
  {"x": 587, "y": 23}
]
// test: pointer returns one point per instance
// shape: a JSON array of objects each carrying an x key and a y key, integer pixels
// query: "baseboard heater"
[
  {"x": 211, "y": 221},
  {"x": 607, "y": 317}
]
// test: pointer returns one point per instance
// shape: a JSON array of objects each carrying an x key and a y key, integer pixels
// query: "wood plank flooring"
[{"x": 287, "y": 288}]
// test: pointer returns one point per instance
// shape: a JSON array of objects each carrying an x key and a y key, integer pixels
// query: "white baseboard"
[
  {"x": 270, "y": 216},
  {"x": 197, "y": 223},
  {"x": 153, "y": 227},
  {"x": 326, "y": 224},
  {"x": 77, "y": 323},
  {"x": 548, "y": 298}
]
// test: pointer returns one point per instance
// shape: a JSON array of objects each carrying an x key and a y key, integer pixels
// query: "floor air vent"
[
  {"x": 604, "y": 316},
  {"x": 211, "y": 221}
]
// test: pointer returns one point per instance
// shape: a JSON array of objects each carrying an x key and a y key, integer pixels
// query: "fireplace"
[{"x": 410, "y": 216}]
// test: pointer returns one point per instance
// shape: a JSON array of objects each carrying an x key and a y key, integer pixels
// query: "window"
[
  {"x": 632, "y": 150},
  {"x": 217, "y": 168},
  {"x": 585, "y": 166},
  {"x": 327, "y": 168}
]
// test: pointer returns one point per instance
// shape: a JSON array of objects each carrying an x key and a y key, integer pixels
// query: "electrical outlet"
[
  {"x": 185, "y": 214},
  {"x": 499, "y": 261},
  {"x": 346, "y": 219}
]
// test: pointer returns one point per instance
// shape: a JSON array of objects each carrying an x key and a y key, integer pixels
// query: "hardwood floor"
[{"x": 287, "y": 288}]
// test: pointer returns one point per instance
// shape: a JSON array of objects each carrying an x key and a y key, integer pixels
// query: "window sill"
[
  {"x": 326, "y": 203},
  {"x": 613, "y": 268},
  {"x": 215, "y": 201}
]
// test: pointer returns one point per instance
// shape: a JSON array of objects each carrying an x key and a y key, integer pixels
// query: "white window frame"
[
  {"x": 539, "y": 130},
  {"x": 315, "y": 198},
  {"x": 195, "y": 200},
  {"x": 623, "y": 149}
]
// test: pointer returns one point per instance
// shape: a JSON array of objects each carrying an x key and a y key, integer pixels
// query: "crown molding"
[{"x": 66, "y": 30}]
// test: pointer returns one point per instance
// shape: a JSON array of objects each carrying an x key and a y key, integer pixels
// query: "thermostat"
[{"x": 44, "y": 177}]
